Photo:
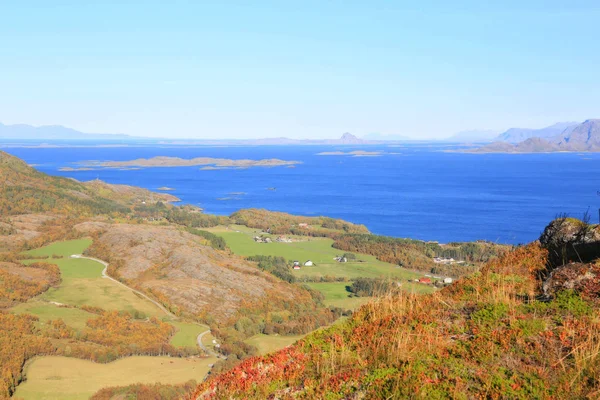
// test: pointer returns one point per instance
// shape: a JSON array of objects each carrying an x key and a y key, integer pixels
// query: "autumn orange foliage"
[
  {"x": 18, "y": 343},
  {"x": 114, "y": 334},
  {"x": 19, "y": 283},
  {"x": 484, "y": 337}
]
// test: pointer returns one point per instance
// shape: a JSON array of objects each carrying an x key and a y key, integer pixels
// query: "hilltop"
[
  {"x": 24, "y": 190},
  {"x": 582, "y": 137},
  {"x": 517, "y": 135},
  {"x": 523, "y": 327}
]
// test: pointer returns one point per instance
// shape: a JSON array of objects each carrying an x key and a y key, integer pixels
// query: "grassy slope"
[
  {"x": 187, "y": 333},
  {"x": 336, "y": 295},
  {"x": 64, "y": 378},
  {"x": 64, "y": 249},
  {"x": 318, "y": 250},
  {"x": 483, "y": 337},
  {"x": 73, "y": 317},
  {"x": 240, "y": 240},
  {"x": 269, "y": 343},
  {"x": 82, "y": 284}
]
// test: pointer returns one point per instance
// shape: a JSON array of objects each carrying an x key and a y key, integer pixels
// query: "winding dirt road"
[{"x": 157, "y": 304}]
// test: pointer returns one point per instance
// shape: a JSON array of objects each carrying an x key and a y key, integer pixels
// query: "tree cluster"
[
  {"x": 283, "y": 223},
  {"x": 155, "y": 391},
  {"x": 20, "y": 282},
  {"x": 18, "y": 343},
  {"x": 277, "y": 266},
  {"x": 417, "y": 254},
  {"x": 369, "y": 287},
  {"x": 214, "y": 241}
]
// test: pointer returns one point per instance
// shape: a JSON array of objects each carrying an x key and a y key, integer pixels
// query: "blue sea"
[{"x": 418, "y": 191}]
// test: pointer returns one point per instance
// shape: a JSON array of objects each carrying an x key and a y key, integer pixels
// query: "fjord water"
[{"x": 416, "y": 191}]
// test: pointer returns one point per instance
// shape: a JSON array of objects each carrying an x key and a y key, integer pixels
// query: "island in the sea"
[
  {"x": 206, "y": 162},
  {"x": 356, "y": 153}
]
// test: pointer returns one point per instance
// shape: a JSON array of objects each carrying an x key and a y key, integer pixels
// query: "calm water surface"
[{"x": 415, "y": 191}]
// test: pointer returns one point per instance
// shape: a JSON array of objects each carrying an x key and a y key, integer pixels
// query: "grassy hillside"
[
  {"x": 23, "y": 190},
  {"x": 283, "y": 223},
  {"x": 319, "y": 250},
  {"x": 486, "y": 336},
  {"x": 70, "y": 319}
]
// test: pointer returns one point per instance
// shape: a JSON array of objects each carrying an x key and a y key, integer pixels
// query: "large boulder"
[
  {"x": 582, "y": 278},
  {"x": 570, "y": 240}
]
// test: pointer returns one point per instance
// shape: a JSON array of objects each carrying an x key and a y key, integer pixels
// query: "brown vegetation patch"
[
  {"x": 483, "y": 337},
  {"x": 177, "y": 267},
  {"x": 18, "y": 283}
]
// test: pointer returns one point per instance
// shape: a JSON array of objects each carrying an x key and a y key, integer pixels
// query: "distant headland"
[{"x": 584, "y": 137}]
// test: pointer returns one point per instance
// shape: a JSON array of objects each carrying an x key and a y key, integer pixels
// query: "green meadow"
[
  {"x": 187, "y": 333},
  {"x": 73, "y": 317},
  {"x": 83, "y": 284},
  {"x": 52, "y": 377},
  {"x": 318, "y": 250},
  {"x": 270, "y": 343},
  {"x": 62, "y": 378},
  {"x": 64, "y": 249},
  {"x": 336, "y": 295}
]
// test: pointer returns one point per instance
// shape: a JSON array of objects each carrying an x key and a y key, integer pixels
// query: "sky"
[{"x": 299, "y": 69}]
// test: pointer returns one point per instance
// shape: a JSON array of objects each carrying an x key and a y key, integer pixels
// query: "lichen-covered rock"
[
  {"x": 582, "y": 278},
  {"x": 570, "y": 240}
]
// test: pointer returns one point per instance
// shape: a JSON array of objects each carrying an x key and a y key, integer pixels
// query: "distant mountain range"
[
  {"x": 474, "y": 136},
  {"x": 581, "y": 137},
  {"x": 517, "y": 135},
  {"x": 58, "y": 132},
  {"x": 345, "y": 139},
  {"x": 53, "y": 132},
  {"x": 385, "y": 138},
  {"x": 557, "y": 136}
]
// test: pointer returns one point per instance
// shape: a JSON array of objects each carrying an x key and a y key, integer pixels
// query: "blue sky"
[{"x": 302, "y": 69}]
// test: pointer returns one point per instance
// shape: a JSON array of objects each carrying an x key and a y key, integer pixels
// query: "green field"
[
  {"x": 336, "y": 295},
  {"x": 64, "y": 249},
  {"x": 318, "y": 250},
  {"x": 73, "y": 317},
  {"x": 270, "y": 343},
  {"x": 187, "y": 333},
  {"x": 83, "y": 284},
  {"x": 62, "y": 378}
]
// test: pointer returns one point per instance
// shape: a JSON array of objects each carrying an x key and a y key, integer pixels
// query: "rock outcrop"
[
  {"x": 582, "y": 278},
  {"x": 570, "y": 240}
]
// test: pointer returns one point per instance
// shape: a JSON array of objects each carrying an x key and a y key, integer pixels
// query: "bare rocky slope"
[{"x": 180, "y": 268}]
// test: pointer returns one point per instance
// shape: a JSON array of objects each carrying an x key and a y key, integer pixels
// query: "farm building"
[
  {"x": 308, "y": 263},
  {"x": 426, "y": 281}
]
